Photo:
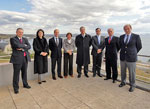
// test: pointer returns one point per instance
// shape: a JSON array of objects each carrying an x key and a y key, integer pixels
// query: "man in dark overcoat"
[{"x": 83, "y": 43}]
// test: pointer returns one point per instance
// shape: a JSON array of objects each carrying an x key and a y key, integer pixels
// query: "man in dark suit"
[
  {"x": 83, "y": 43},
  {"x": 98, "y": 43},
  {"x": 130, "y": 45},
  {"x": 20, "y": 57},
  {"x": 112, "y": 48},
  {"x": 55, "y": 45}
]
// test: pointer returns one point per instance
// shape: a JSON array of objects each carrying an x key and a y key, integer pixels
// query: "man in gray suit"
[
  {"x": 98, "y": 43},
  {"x": 130, "y": 45},
  {"x": 20, "y": 57}
]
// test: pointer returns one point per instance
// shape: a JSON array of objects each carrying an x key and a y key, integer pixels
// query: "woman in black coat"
[{"x": 41, "y": 49}]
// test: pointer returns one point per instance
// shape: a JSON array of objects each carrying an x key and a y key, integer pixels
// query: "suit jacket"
[
  {"x": 83, "y": 49},
  {"x": 129, "y": 52},
  {"x": 112, "y": 48},
  {"x": 68, "y": 46},
  {"x": 96, "y": 45},
  {"x": 18, "y": 55},
  {"x": 56, "y": 51}
]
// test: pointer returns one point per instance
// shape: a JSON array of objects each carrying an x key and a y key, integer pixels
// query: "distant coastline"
[{"x": 145, "y": 37}]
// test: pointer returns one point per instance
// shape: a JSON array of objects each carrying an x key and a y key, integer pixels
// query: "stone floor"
[{"x": 74, "y": 93}]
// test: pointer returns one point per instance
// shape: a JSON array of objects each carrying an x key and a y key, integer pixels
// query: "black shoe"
[
  {"x": 16, "y": 91},
  {"x": 114, "y": 81},
  {"x": 131, "y": 89},
  {"x": 86, "y": 75},
  {"x": 106, "y": 78},
  {"x": 79, "y": 76},
  {"x": 99, "y": 75},
  {"x": 39, "y": 82},
  {"x": 28, "y": 87},
  {"x": 122, "y": 84},
  {"x": 94, "y": 75},
  {"x": 60, "y": 76},
  {"x": 54, "y": 78},
  {"x": 44, "y": 81}
]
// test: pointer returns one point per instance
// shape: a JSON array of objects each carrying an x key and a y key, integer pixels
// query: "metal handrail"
[
  {"x": 4, "y": 56},
  {"x": 148, "y": 56}
]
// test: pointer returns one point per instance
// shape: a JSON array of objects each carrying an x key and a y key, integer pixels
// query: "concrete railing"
[{"x": 6, "y": 73}]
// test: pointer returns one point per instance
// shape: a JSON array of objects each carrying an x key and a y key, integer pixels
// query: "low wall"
[{"x": 6, "y": 73}]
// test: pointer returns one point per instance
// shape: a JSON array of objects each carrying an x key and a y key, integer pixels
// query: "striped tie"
[{"x": 126, "y": 42}]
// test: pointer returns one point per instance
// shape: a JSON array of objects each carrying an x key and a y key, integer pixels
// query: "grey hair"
[
  {"x": 56, "y": 30},
  {"x": 127, "y": 25},
  {"x": 19, "y": 29},
  {"x": 82, "y": 27},
  {"x": 109, "y": 29}
]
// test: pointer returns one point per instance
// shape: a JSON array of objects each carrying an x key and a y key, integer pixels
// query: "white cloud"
[{"x": 69, "y": 15}]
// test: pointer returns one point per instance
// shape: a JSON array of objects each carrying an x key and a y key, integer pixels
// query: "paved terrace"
[{"x": 74, "y": 93}]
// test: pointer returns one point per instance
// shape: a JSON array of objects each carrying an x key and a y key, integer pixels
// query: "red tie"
[
  {"x": 109, "y": 40},
  {"x": 21, "y": 42}
]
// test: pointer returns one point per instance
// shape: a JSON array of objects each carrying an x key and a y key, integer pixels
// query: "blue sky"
[
  {"x": 15, "y": 5},
  {"x": 69, "y": 15}
]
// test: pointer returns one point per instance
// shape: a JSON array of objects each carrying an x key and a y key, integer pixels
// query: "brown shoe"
[
  {"x": 65, "y": 76},
  {"x": 72, "y": 76}
]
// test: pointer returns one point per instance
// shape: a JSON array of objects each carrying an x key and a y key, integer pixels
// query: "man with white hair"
[
  {"x": 130, "y": 45},
  {"x": 111, "y": 55}
]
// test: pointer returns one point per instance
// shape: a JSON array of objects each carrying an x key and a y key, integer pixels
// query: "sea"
[{"x": 145, "y": 38}]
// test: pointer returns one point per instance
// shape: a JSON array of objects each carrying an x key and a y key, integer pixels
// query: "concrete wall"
[{"x": 6, "y": 73}]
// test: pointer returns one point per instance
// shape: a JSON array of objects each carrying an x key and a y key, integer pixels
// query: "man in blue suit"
[
  {"x": 130, "y": 45},
  {"x": 55, "y": 45}
]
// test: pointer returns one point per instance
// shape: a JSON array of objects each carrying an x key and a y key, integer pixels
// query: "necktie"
[
  {"x": 20, "y": 40},
  {"x": 98, "y": 39},
  {"x": 126, "y": 42},
  {"x": 21, "y": 43},
  {"x": 57, "y": 41},
  {"x": 109, "y": 40}
]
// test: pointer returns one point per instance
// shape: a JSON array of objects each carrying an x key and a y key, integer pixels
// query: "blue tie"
[
  {"x": 98, "y": 39},
  {"x": 126, "y": 42}
]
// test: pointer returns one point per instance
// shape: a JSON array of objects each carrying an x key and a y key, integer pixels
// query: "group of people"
[{"x": 129, "y": 44}]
